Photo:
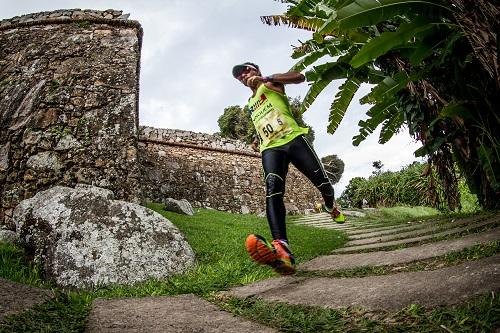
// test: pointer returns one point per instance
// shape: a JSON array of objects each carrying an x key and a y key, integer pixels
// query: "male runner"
[{"x": 281, "y": 141}]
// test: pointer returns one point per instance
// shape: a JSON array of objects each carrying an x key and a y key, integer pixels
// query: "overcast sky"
[{"x": 188, "y": 50}]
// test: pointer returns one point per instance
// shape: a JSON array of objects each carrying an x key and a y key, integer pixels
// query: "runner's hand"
[{"x": 254, "y": 81}]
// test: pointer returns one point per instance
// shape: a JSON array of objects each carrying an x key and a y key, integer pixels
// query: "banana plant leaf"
[
  {"x": 322, "y": 76},
  {"x": 388, "y": 40},
  {"x": 391, "y": 126},
  {"x": 341, "y": 102},
  {"x": 377, "y": 115},
  {"x": 362, "y": 13}
]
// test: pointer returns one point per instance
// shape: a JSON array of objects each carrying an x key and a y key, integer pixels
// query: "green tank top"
[{"x": 272, "y": 117}]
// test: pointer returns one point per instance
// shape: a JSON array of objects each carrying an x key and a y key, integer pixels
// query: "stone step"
[
  {"x": 16, "y": 297},
  {"x": 385, "y": 226},
  {"x": 354, "y": 229},
  {"x": 387, "y": 231},
  {"x": 382, "y": 227},
  {"x": 184, "y": 313},
  {"x": 327, "y": 218},
  {"x": 409, "y": 241},
  {"x": 328, "y": 224},
  {"x": 344, "y": 226},
  {"x": 401, "y": 256},
  {"x": 446, "y": 286},
  {"x": 422, "y": 231}
]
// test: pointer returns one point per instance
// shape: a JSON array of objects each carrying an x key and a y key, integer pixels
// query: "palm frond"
[
  {"x": 391, "y": 126},
  {"x": 388, "y": 87},
  {"x": 333, "y": 45},
  {"x": 322, "y": 76},
  {"x": 389, "y": 40},
  {"x": 317, "y": 8},
  {"x": 378, "y": 114},
  {"x": 331, "y": 49},
  {"x": 305, "y": 23},
  {"x": 362, "y": 13},
  {"x": 491, "y": 170},
  {"x": 341, "y": 102}
]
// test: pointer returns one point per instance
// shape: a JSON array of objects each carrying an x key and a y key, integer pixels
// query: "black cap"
[{"x": 239, "y": 68}]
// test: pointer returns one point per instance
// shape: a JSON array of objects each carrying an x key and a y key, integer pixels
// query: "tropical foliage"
[
  {"x": 404, "y": 187},
  {"x": 434, "y": 68},
  {"x": 235, "y": 122}
]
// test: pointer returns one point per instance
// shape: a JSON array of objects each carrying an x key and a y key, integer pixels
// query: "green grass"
[
  {"x": 15, "y": 267},
  {"x": 401, "y": 214},
  {"x": 217, "y": 239},
  {"x": 222, "y": 262},
  {"x": 480, "y": 315}
]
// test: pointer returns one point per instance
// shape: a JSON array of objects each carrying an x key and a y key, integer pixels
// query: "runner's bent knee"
[{"x": 275, "y": 185}]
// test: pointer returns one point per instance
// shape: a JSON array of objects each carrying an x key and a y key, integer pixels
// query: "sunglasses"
[{"x": 245, "y": 70}]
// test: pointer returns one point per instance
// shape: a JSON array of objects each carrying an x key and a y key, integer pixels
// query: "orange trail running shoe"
[
  {"x": 285, "y": 262},
  {"x": 260, "y": 250}
]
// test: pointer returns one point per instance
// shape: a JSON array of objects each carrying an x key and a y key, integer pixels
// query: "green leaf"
[
  {"x": 430, "y": 148},
  {"x": 388, "y": 87},
  {"x": 391, "y": 126},
  {"x": 331, "y": 49},
  {"x": 455, "y": 110},
  {"x": 341, "y": 102},
  {"x": 388, "y": 40},
  {"x": 362, "y": 13},
  {"x": 486, "y": 158},
  {"x": 322, "y": 76},
  {"x": 377, "y": 115}
]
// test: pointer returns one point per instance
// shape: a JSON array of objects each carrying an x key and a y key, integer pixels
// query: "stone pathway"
[
  {"x": 16, "y": 298},
  {"x": 444, "y": 286},
  {"x": 185, "y": 313},
  {"x": 400, "y": 256},
  {"x": 383, "y": 243}
]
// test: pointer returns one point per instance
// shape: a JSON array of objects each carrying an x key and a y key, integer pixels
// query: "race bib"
[{"x": 272, "y": 126}]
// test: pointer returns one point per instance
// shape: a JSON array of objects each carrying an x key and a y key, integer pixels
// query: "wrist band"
[{"x": 268, "y": 78}]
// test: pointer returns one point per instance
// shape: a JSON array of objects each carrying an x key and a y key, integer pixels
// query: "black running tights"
[{"x": 275, "y": 162}]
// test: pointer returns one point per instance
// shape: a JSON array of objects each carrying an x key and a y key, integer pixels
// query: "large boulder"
[
  {"x": 178, "y": 206},
  {"x": 83, "y": 238}
]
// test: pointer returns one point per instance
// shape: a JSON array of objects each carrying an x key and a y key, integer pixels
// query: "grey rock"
[
  {"x": 25, "y": 110},
  {"x": 353, "y": 213},
  {"x": 245, "y": 210},
  {"x": 8, "y": 236},
  {"x": 179, "y": 206},
  {"x": 68, "y": 142},
  {"x": 4, "y": 156},
  {"x": 291, "y": 209},
  {"x": 82, "y": 238},
  {"x": 399, "y": 256},
  {"x": 43, "y": 161}
]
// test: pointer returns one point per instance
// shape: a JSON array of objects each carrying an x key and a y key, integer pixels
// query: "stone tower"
[{"x": 68, "y": 103}]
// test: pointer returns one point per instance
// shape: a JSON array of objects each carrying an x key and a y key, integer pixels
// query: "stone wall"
[
  {"x": 68, "y": 103},
  {"x": 211, "y": 171}
]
